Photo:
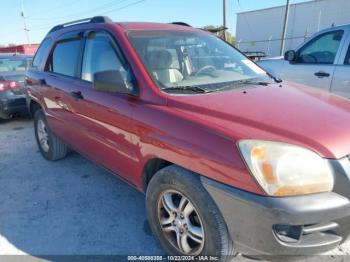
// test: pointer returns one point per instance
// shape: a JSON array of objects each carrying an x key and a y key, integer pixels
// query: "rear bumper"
[
  {"x": 301, "y": 225},
  {"x": 13, "y": 105}
]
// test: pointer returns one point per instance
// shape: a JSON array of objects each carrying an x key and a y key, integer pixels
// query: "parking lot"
[
  {"x": 71, "y": 206},
  {"x": 66, "y": 207}
]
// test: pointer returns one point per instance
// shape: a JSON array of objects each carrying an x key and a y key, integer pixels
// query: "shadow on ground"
[{"x": 65, "y": 207}]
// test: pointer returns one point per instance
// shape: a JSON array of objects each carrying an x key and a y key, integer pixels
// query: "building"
[
  {"x": 20, "y": 49},
  {"x": 261, "y": 30}
]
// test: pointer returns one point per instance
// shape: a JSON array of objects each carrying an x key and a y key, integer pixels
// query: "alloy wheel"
[
  {"x": 43, "y": 135},
  {"x": 180, "y": 222}
]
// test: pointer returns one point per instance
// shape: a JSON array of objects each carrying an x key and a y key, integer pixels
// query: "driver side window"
[
  {"x": 99, "y": 55},
  {"x": 322, "y": 50}
]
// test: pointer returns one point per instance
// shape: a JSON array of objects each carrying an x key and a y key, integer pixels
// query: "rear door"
[
  {"x": 61, "y": 77},
  {"x": 316, "y": 61}
]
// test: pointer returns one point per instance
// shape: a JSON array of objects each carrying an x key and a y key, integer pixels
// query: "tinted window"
[
  {"x": 321, "y": 50},
  {"x": 65, "y": 57},
  {"x": 99, "y": 55},
  {"x": 40, "y": 53},
  {"x": 347, "y": 59}
]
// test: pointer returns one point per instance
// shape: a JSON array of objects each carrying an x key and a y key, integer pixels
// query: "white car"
[{"x": 322, "y": 62}]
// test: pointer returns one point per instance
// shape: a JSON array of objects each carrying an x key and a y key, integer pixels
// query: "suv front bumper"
[{"x": 298, "y": 225}]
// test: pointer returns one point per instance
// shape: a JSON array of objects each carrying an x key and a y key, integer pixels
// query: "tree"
[{"x": 219, "y": 31}]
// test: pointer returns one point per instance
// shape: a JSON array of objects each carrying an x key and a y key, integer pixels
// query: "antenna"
[{"x": 26, "y": 30}]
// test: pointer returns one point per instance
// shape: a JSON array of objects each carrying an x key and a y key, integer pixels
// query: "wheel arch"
[
  {"x": 33, "y": 107},
  {"x": 151, "y": 167}
]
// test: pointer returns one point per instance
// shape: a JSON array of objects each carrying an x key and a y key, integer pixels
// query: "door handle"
[
  {"x": 321, "y": 74},
  {"x": 76, "y": 95}
]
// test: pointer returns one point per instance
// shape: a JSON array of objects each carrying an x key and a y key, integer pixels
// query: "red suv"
[{"x": 231, "y": 159}]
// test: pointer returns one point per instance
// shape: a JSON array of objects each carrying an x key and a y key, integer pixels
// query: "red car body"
[{"x": 124, "y": 134}]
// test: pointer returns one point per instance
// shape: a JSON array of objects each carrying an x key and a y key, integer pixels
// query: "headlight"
[{"x": 285, "y": 170}]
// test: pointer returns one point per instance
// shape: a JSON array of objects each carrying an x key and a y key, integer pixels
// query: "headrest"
[{"x": 159, "y": 59}]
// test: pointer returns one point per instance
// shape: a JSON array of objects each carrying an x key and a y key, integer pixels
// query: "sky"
[{"x": 41, "y": 15}]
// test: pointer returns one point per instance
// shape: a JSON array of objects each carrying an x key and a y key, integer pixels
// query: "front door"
[
  {"x": 315, "y": 63},
  {"x": 104, "y": 118}
]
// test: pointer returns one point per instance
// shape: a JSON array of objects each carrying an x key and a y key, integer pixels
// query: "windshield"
[
  {"x": 13, "y": 64},
  {"x": 182, "y": 60}
]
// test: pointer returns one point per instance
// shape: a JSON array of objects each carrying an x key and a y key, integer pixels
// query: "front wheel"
[{"x": 183, "y": 216}]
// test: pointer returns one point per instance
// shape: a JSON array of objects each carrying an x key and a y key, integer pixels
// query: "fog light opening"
[{"x": 288, "y": 233}]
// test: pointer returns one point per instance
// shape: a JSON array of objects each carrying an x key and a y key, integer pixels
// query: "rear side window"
[
  {"x": 65, "y": 57},
  {"x": 40, "y": 54},
  {"x": 347, "y": 58}
]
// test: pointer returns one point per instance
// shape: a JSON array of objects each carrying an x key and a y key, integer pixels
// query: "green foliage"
[{"x": 229, "y": 37}]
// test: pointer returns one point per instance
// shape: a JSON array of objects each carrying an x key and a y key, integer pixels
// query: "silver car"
[{"x": 322, "y": 62}]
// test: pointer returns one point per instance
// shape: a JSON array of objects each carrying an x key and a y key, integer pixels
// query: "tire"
[
  {"x": 170, "y": 181},
  {"x": 54, "y": 149}
]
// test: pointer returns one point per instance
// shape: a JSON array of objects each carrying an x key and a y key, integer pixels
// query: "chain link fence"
[{"x": 271, "y": 46}]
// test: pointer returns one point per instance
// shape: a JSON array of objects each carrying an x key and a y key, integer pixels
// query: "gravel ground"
[{"x": 71, "y": 207}]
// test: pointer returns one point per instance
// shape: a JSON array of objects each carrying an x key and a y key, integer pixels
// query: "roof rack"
[
  {"x": 181, "y": 23},
  {"x": 93, "y": 20}
]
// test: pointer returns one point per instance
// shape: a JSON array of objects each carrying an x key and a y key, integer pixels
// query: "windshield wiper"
[
  {"x": 276, "y": 79},
  {"x": 253, "y": 82},
  {"x": 195, "y": 89},
  {"x": 240, "y": 83}
]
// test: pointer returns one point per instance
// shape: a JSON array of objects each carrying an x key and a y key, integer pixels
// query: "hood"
[
  {"x": 272, "y": 58},
  {"x": 286, "y": 112}
]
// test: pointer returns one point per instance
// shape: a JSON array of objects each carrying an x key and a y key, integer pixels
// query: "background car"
[
  {"x": 12, "y": 73},
  {"x": 322, "y": 62}
]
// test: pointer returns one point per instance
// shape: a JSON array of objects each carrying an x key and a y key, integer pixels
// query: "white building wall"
[{"x": 261, "y": 30}]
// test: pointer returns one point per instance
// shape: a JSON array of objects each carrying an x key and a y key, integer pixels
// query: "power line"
[
  {"x": 51, "y": 9},
  {"x": 106, "y": 5},
  {"x": 103, "y": 13},
  {"x": 96, "y": 9},
  {"x": 123, "y": 7}
]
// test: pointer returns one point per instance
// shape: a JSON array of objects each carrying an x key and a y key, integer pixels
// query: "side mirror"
[
  {"x": 290, "y": 56},
  {"x": 114, "y": 82}
]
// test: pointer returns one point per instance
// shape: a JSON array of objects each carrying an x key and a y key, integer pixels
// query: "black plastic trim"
[{"x": 251, "y": 219}]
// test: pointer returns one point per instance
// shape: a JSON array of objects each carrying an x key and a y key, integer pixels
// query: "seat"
[{"x": 160, "y": 63}]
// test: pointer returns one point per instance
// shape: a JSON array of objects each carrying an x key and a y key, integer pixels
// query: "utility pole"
[
  {"x": 224, "y": 19},
  {"x": 284, "y": 33},
  {"x": 26, "y": 30}
]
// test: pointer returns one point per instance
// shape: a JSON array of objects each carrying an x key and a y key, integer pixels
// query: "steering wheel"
[
  {"x": 205, "y": 68},
  {"x": 328, "y": 55},
  {"x": 308, "y": 58}
]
